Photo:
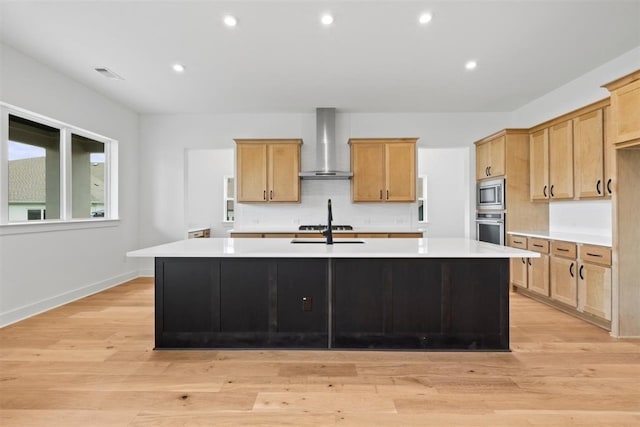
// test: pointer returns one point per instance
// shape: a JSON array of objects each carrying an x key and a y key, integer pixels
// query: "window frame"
[{"x": 66, "y": 221}]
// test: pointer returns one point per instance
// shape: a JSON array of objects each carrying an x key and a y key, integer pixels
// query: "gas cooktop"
[{"x": 322, "y": 227}]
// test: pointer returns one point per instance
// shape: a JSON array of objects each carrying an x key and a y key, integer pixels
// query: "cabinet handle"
[
  {"x": 264, "y": 195},
  {"x": 387, "y": 194},
  {"x": 544, "y": 191},
  {"x": 598, "y": 187},
  {"x": 537, "y": 245},
  {"x": 551, "y": 191},
  {"x": 270, "y": 194},
  {"x": 523, "y": 261},
  {"x": 486, "y": 171},
  {"x": 489, "y": 168},
  {"x": 571, "y": 270},
  {"x": 380, "y": 194},
  {"x": 562, "y": 249},
  {"x": 529, "y": 261},
  {"x": 518, "y": 242},
  {"x": 580, "y": 272},
  {"x": 609, "y": 186},
  {"x": 595, "y": 255}
]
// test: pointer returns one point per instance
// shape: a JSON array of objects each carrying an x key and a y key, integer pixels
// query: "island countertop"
[{"x": 371, "y": 248}]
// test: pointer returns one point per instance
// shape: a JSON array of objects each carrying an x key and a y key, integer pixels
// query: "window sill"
[{"x": 49, "y": 226}]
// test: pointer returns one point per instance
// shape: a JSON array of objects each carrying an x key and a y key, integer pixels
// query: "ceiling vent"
[{"x": 105, "y": 72}]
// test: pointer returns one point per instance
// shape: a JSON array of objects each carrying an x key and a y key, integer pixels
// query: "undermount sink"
[{"x": 324, "y": 242}]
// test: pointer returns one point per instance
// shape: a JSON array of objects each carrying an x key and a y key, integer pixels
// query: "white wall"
[
  {"x": 39, "y": 271},
  {"x": 205, "y": 171},
  {"x": 164, "y": 139},
  {"x": 450, "y": 191}
]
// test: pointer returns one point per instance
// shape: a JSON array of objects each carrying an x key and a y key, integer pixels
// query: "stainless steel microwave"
[{"x": 490, "y": 195}]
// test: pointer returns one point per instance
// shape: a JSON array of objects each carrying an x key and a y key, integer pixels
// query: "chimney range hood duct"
[{"x": 325, "y": 148}]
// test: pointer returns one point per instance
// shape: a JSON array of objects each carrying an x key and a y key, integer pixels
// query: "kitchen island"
[{"x": 418, "y": 294}]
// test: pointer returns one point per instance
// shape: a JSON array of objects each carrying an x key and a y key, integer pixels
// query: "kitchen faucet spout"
[{"x": 328, "y": 233}]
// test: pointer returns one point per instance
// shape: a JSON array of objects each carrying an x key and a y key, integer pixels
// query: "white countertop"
[
  {"x": 371, "y": 248},
  {"x": 294, "y": 229},
  {"x": 589, "y": 239}
]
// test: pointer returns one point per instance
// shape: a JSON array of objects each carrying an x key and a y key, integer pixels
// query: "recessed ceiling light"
[
  {"x": 470, "y": 65},
  {"x": 230, "y": 21},
  {"x": 424, "y": 18},
  {"x": 178, "y": 68},
  {"x": 326, "y": 19}
]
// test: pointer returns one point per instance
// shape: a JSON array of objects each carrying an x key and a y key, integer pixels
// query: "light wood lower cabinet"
[
  {"x": 594, "y": 281},
  {"x": 538, "y": 275},
  {"x": 563, "y": 278},
  {"x": 518, "y": 266}
]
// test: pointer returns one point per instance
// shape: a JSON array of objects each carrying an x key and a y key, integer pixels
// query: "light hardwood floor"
[{"x": 91, "y": 363}]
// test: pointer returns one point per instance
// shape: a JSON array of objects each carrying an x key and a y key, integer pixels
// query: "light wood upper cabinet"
[
  {"x": 384, "y": 170},
  {"x": 609, "y": 154},
  {"x": 561, "y": 160},
  {"x": 539, "y": 164},
  {"x": 251, "y": 170},
  {"x": 490, "y": 158},
  {"x": 267, "y": 170},
  {"x": 588, "y": 143},
  {"x": 625, "y": 108},
  {"x": 400, "y": 167}
]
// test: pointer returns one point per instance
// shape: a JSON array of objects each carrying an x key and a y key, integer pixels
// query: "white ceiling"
[{"x": 374, "y": 58}]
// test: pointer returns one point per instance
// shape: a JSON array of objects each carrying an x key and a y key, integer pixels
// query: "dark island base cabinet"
[{"x": 419, "y": 304}]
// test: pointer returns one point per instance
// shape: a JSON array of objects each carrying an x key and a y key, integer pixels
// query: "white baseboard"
[
  {"x": 146, "y": 272},
  {"x": 21, "y": 313}
]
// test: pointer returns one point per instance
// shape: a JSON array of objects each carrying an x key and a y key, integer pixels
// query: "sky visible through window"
[{"x": 18, "y": 150}]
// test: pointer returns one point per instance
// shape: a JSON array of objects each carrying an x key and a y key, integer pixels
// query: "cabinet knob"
[{"x": 598, "y": 187}]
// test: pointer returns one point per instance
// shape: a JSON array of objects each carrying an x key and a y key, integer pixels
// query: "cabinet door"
[
  {"x": 561, "y": 160},
  {"x": 251, "y": 167},
  {"x": 284, "y": 167},
  {"x": 538, "y": 275},
  {"x": 497, "y": 157},
  {"x": 594, "y": 286},
  {"x": 625, "y": 105},
  {"x": 400, "y": 168},
  {"x": 539, "y": 164},
  {"x": 588, "y": 145},
  {"x": 518, "y": 272},
  {"x": 367, "y": 164},
  {"x": 564, "y": 284},
  {"x": 609, "y": 154},
  {"x": 482, "y": 160}
]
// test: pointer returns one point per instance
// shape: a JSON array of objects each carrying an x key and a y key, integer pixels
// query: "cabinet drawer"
[
  {"x": 538, "y": 245},
  {"x": 595, "y": 254},
  {"x": 196, "y": 234},
  {"x": 518, "y": 242},
  {"x": 563, "y": 249},
  {"x": 250, "y": 235}
]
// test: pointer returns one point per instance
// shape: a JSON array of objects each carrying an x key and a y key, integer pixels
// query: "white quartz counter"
[
  {"x": 589, "y": 239},
  {"x": 371, "y": 248},
  {"x": 368, "y": 229}
]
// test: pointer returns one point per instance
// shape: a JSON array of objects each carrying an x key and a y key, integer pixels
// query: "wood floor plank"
[{"x": 92, "y": 363}]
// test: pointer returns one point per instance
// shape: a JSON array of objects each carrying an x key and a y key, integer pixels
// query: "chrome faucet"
[{"x": 328, "y": 232}]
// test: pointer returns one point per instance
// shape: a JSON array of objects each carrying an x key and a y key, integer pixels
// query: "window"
[
  {"x": 422, "y": 198},
  {"x": 34, "y": 169},
  {"x": 56, "y": 172},
  {"x": 229, "y": 200}
]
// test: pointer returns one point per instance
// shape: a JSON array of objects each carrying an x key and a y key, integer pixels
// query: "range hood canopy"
[{"x": 325, "y": 148}]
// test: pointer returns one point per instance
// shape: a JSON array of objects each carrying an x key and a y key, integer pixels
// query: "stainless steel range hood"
[{"x": 325, "y": 148}]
